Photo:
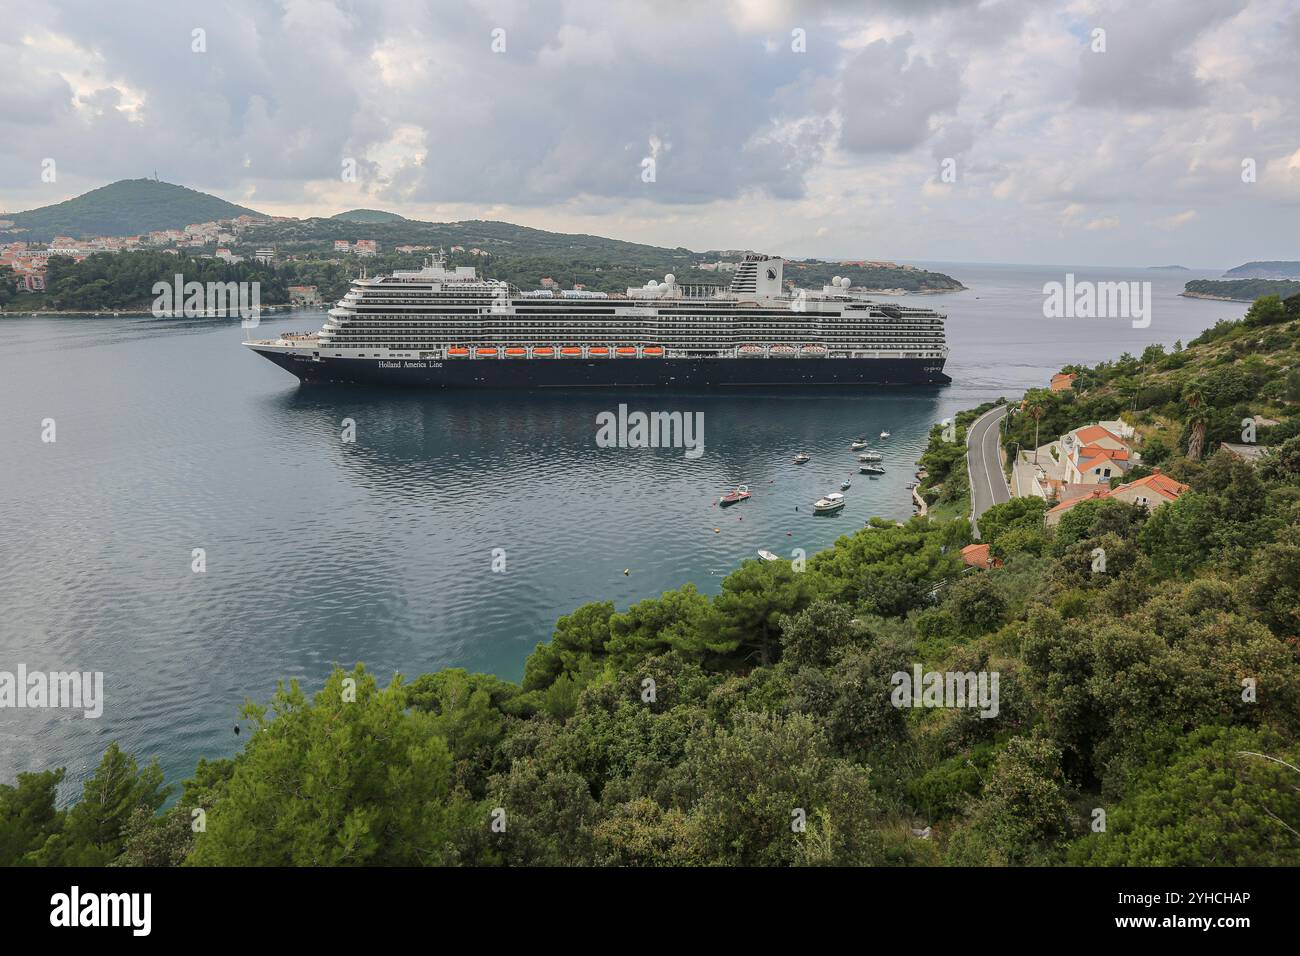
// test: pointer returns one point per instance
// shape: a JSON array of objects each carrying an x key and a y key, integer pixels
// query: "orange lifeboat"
[
  {"x": 516, "y": 351},
  {"x": 456, "y": 350},
  {"x": 652, "y": 350},
  {"x": 570, "y": 350},
  {"x": 625, "y": 350},
  {"x": 545, "y": 350},
  {"x": 489, "y": 352},
  {"x": 598, "y": 350}
]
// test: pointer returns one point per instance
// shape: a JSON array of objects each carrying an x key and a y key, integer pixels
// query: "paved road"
[{"x": 988, "y": 485}]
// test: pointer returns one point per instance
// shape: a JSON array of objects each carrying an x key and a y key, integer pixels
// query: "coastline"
[
  {"x": 126, "y": 313},
  {"x": 1215, "y": 298},
  {"x": 960, "y": 288}
]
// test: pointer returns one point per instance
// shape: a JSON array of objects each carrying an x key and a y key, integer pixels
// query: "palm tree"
[
  {"x": 1197, "y": 418},
  {"x": 1035, "y": 410}
]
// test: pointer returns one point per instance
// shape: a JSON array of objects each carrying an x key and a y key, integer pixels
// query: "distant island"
[
  {"x": 1265, "y": 270},
  {"x": 1168, "y": 269},
  {"x": 1239, "y": 290},
  {"x": 104, "y": 250}
]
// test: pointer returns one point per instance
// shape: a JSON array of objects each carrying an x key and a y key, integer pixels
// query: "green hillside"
[
  {"x": 524, "y": 256},
  {"x": 1240, "y": 290},
  {"x": 124, "y": 208},
  {"x": 367, "y": 215},
  {"x": 520, "y": 255}
]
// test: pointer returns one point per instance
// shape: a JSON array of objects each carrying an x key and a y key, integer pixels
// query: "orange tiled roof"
[
  {"x": 977, "y": 556},
  {"x": 1161, "y": 484},
  {"x": 1097, "y": 451},
  {"x": 1071, "y": 502},
  {"x": 1094, "y": 433}
]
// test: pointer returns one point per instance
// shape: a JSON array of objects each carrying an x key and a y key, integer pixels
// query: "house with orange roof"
[
  {"x": 1062, "y": 381},
  {"x": 1150, "y": 492},
  {"x": 978, "y": 556},
  {"x": 1094, "y": 455}
]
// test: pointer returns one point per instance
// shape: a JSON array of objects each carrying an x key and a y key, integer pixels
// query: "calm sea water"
[{"x": 171, "y": 437}]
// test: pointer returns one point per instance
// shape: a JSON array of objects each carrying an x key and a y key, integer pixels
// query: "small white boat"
[
  {"x": 846, "y": 484},
  {"x": 858, "y": 444},
  {"x": 768, "y": 556},
  {"x": 871, "y": 456},
  {"x": 829, "y": 505},
  {"x": 802, "y": 458},
  {"x": 884, "y": 434},
  {"x": 872, "y": 470}
]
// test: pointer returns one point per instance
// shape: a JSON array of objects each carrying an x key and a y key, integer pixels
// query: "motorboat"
[
  {"x": 829, "y": 505},
  {"x": 739, "y": 493}
]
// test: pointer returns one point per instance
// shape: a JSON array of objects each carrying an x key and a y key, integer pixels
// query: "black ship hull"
[{"x": 614, "y": 372}]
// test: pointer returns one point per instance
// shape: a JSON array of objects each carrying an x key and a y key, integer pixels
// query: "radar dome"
[
  {"x": 845, "y": 282},
  {"x": 835, "y": 281},
  {"x": 670, "y": 278}
]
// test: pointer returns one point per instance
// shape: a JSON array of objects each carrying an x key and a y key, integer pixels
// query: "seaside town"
[{"x": 28, "y": 261}]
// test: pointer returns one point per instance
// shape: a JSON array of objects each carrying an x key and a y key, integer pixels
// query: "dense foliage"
[
  {"x": 1247, "y": 290},
  {"x": 125, "y": 280},
  {"x": 1147, "y": 713}
]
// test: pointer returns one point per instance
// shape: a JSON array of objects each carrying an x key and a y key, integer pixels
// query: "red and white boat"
[{"x": 740, "y": 493}]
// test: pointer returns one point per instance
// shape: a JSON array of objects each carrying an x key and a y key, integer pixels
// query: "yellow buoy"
[{"x": 626, "y": 571}]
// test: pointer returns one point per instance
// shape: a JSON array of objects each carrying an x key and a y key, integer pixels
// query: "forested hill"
[
  {"x": 128, "y": 207},
  {"x": 1240, "y": 290},
  {"x": 767, "y": 725},
  {"x": 367, "y": 215},
  {"x": 1265, "y": 270},
  {"x": 518, "y": 254}
]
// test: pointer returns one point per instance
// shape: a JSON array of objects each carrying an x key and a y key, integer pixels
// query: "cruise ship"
[{"x": 447, "y": 327}]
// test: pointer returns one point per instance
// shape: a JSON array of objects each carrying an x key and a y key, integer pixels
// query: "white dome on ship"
[
  {"x": 670, "y": 278},
  {"x": 845, "y": 282},
  {"x": 835, "y": 281}
]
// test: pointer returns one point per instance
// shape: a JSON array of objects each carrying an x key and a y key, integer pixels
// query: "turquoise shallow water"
[{"x": 172, "y": 437}]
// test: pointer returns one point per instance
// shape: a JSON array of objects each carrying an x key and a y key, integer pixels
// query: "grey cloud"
[
  {"x": 889, "y": 94},
  {"x": 1147, "y": 64}
]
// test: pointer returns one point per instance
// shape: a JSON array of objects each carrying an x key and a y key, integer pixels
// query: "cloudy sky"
[{"x": 801, "y": 128}]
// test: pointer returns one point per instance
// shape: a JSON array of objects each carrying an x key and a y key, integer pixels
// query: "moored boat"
[
  {"x": 768, "y": 556},
  {"x": 872, "y": 470},
  {"x": 802, "y": 458},
  {"x": 871, "y": 456},
  {"x": 739, "y": 493},
  {"x": 829, "y": 504}
]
